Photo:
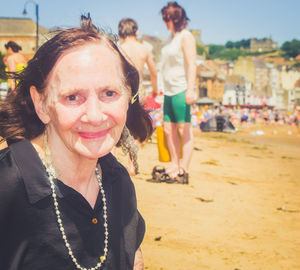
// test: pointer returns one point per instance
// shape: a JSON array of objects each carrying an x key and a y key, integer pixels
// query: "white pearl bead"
[{"x": 51, "y": 176}]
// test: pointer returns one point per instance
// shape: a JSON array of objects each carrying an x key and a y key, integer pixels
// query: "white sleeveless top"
[{"x": 173, "y": 68}]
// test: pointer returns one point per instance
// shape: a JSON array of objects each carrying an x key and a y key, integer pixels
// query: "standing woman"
[
  {"x": 66, "y": 202},
  {"x": 179, "y": 74},
  {"x": 16, "y": 62}
]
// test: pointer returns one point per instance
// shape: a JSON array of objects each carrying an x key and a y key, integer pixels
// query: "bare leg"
[
  {"x": 186, "y": 133},
  {"x": 171, "y": 133}
]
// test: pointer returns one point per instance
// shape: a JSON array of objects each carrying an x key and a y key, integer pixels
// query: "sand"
[{"x": 241, "y": 209}]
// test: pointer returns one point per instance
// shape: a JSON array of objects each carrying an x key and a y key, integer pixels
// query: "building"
[
  {"x": 210, "y": 81},
  {"x": 261, "y": 83},
  {"x": 296, "y": 100},
  {"x": 234, "y": 90},
  {"x": 154, "y": 44},
  {"x": 23, "y": 32},
  {"x": 197, "y": 36},
  {"x": 245, "y": 67},
  {"x": 277, "y": 97},
  {"x": 255, "y": 71},
  {"x": 260, "y": 45}
]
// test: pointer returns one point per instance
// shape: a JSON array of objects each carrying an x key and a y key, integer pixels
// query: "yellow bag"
[{"x": 163, "y": 151}]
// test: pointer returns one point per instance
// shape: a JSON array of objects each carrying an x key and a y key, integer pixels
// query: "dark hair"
[
  {"x": 174, "y": 12},
  {"x": 127, "y": 27},
  {"x": 18, "y": 118},
  {"x": 13, "y": 45}
]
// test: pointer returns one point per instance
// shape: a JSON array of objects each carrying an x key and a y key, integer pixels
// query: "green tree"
[
  {"x": 229, "y": 54},
  {"x": 214, "y": 49},
  {"x": 243, "y": 43},
  {"x": 2, "y": 66},
  {"x": 229, "y": 45},
  {"x": 201, "y": 50},
  {"x": 221, "y": 52},
  {"x": 291, "y": 48}
]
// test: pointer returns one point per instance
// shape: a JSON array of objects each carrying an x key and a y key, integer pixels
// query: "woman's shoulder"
[
  {"x": 112, "y": 167},
  {"x": 3, "y": 153},
  {"x": 109, "y": 161},
  {"x": 186, "y": 33},
  {"x": 115, "y": 172},
  {"x": 9, "y": 172}
]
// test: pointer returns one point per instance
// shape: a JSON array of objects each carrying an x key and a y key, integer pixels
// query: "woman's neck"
[{"x": 73, "y": 170}]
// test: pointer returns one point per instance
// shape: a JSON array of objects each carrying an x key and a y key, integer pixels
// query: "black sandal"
[
  {"x": 182, "y": 177},
  {"x": 158, "y": 172}
]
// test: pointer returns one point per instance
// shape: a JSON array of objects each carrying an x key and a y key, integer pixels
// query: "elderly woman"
[{"x": 66, "y": 203}]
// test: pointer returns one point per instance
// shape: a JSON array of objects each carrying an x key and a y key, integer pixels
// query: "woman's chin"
[{"x": 94, "y": 149}]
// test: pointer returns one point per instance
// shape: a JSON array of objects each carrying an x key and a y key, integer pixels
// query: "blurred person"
[
  {"x": 3, "y": 81},
  {"x": 139, "y": 55},
  {"x": 15, "y": 61},
  {"x": 66, "y": 203},
  {"x": 244, "y": 119},
  {"x": 137, "y": 52},
  {"x": 296, "y": 120},
  {"x": 179, "y": 73}
]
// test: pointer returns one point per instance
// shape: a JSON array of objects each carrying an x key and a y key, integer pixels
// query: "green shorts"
[{"x": 176, "y": 110}]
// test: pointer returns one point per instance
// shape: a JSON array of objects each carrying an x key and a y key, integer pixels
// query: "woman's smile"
[
  {"x": 93, "y": 134},
  {"x": 88, "y": 102}
]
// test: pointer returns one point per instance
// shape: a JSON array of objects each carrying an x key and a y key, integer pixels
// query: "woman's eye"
[
  {"x": 72, "y": 98},
  {"x": 110, "y": 93}
]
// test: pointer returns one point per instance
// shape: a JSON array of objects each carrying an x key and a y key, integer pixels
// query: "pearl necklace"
[{"x": 51, "y": 176}]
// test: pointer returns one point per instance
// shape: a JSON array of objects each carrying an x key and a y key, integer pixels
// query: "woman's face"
[
  {"x": 9, "y": 51},
  {"x": 86, "y": 101},
  {"x": 169, "y": 25}
]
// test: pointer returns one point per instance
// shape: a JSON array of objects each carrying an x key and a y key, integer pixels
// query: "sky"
[{"x": 218, "y": 20}]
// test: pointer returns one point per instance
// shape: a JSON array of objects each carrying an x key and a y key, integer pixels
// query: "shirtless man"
[
  {"x": 137, "y": 52},
  {"x": 139, "y": 55}
]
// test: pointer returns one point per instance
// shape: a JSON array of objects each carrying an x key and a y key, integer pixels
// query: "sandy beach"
[{"x": 241, "y": 210}]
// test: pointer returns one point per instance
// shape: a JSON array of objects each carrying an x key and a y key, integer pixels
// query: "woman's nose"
[{"x": 94, "y": 113}]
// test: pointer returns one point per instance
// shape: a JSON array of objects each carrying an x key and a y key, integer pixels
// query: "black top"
[{"x": 29, "y": 235}]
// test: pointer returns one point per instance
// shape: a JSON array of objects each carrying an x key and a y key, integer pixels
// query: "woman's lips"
[{"x": 93, "y": 135}]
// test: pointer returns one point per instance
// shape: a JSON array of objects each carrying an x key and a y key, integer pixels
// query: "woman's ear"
[{"x": 39, "y": 105}]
